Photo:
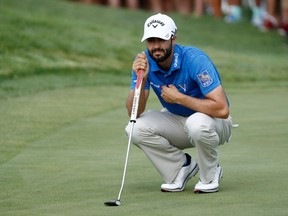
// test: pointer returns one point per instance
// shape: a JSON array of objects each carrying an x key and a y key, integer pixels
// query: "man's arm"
[
  {"x": 140, "y": 63},
  {"x": 142, "y": 102},
  {"x": 214, "y": 104}
]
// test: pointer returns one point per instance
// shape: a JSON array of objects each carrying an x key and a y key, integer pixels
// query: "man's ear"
[{"x": 173, "y": 38}]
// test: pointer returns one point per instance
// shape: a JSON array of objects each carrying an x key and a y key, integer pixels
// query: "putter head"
[{"x": 113, "y": 203}]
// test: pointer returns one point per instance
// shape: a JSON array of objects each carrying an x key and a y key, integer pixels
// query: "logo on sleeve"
[{"x": 205, "y": 79}]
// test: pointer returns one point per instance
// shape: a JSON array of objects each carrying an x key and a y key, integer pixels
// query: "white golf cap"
[{"x": 159, "y": 26}]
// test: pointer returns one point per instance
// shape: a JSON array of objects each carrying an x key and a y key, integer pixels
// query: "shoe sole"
[
  {"x": 213, "y": 190},
  {"x": 191, "y": 174},
  {"x": 206, "y": 191}
]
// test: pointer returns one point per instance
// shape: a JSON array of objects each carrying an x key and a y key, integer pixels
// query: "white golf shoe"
[
  {"x": 211, "y": 187},
  {"x": 185, "y": 173}
]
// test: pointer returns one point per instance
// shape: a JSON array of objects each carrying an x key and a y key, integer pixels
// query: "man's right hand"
[{"x": 141, "y": 62}]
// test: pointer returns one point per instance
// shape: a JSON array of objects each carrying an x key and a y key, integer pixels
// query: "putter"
[{"x": 133, "y": 117}]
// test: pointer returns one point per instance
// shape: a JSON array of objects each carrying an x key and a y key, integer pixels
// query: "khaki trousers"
[{"x": 162, "y": 136}]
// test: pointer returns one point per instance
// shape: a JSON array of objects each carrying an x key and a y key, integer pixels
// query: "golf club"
[{"x": 133, "y": 117}]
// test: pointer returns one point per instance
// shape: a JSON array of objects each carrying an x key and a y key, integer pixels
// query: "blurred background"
[{"x": 267, "y": 15}]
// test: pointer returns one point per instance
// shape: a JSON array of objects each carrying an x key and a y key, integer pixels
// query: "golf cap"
[{"x": 159, "y": 26}]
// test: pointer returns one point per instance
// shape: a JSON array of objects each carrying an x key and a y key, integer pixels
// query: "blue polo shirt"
[{"x": 192, "y": 73}]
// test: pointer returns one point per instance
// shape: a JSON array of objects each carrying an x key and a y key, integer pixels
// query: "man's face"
[{"x": 159, "y": 49}]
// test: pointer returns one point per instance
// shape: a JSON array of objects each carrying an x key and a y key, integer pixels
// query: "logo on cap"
[{"x": 155, "y": 22}]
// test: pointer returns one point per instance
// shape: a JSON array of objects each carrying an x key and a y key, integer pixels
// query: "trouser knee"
[
  {"x": 199, "y": 129},
  {"x": 137, "y": 133}
]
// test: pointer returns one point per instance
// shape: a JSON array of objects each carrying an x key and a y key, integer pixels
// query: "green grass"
[{"x": 64, "y": 77}]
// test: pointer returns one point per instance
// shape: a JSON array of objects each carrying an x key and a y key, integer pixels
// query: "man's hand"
[
  {"x": 170, "y": 94},
  {"x": 141, "y": 62}
]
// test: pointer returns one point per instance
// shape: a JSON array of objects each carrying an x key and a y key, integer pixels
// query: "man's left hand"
[{"x": 170, "y": 94}]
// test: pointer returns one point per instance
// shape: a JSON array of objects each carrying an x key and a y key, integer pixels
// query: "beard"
[{"x": 167, "y": 53}]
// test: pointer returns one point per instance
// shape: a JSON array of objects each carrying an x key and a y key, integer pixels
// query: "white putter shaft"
[{"x": 133, "y": 118}]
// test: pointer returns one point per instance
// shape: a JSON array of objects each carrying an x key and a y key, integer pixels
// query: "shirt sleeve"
[{"x": 205, "y": 74}]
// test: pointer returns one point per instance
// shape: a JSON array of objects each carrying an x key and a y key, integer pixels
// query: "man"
[{"x": 195, "y": 109}]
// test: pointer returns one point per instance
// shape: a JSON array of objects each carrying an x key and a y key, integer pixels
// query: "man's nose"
[{"x": 156, "y": 44}]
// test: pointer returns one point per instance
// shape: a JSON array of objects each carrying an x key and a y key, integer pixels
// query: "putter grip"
[{"x": 136, "y": 98}]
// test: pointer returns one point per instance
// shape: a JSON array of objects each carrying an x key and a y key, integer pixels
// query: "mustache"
[{"x": 157, "y": 49}]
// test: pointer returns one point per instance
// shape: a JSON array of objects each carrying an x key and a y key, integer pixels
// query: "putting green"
[{"x": 75, "y": 168}]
